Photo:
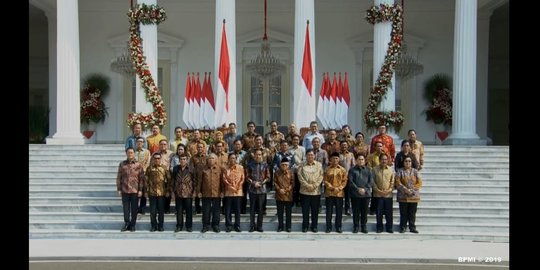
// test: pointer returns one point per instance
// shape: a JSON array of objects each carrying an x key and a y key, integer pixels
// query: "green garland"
[
  {"x": 145, "y": 14},
  {"x": 372, "y": 117}
]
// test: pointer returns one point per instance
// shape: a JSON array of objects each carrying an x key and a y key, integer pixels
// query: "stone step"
[
  {"x": 107, "y": 204},
  {"x": 270, "y": 217},
  {"x": 269, "y": 234},
  {"x": 111, "y": 169},
  {"x": 144, "y": 224},
  {"x": 464, "y": 159},
  {"x": 74, "y": 162},
  {"x": 462, "y": 175},
  {"x": 55, "y": 158},
  {"x": 116, "y": 207}
]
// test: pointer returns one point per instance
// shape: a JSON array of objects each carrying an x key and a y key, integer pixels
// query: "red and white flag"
[
  {"x": 197, "y": 103},
  {"x": 346, "y": 101},
  {"x": 339, "y": 103},
  {"x": 185, "y": 112},
  {"x": 321, "y": 102},
  {"x": 224, "y": 72},
  {"x": 332, "y": 104},
  {"x": 304, "y": 98},
  {"x": 327, "y": 100},
  {"x": 192, "y": 101},
  {"x": 209, "y": 106}
]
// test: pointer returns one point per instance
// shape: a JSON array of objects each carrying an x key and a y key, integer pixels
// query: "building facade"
[{"x": 342, "y": 37}]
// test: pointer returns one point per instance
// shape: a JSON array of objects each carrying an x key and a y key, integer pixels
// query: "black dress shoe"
[
  {"x": 338, "y": 230},
  {"x": 328, "y": 230},
  {"x": 204, "y": 229},
  {"x": 390, "y": 231},
  {"x": 288, "y": 230},
  {"x": 215, "y": 229},
  {"x": 228, "y": 229},
  {"x": 355, "y": 230},
  {"x": 379, "y": 231},
  {"x": 363, "y": 230},
  {"x": 252, "y": 229},
  {"x": 189, "y": 229},
  {"x": 260, "y": 230},
  {"x": 160, "y": 228},
  {"x": 237, "y": 229},
  {"x": 178, "y": 228},
  {"x": 132, "y": 229},
  {"x": 314, "y": 230},
  {"x": 125, "y": 228},
  {"x": 401, "y": 230},
  {"x": 279, "y": 229},
  {"x": 153, "y": 229},
  {"x": 304, "y": 230},
  {"x": 413, "y": 230},
  {"x": 347, "y": 212}
]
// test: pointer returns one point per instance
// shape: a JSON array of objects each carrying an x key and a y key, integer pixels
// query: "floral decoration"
[
  {"x": 372, "y": 117},
  {"x": 440, "y": 111},
  {"x": 92, "y": 106},
  {"x": 145, "y": 14}
]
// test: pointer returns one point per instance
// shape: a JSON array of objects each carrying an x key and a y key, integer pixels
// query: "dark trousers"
[
  {"x": 373, "y": 206},
  {"x": 167, "y": 205},
  {"x": 157, "y": 204},
  {"x": 184, "y": 204},
  {"x": 384, "y": 207},
  {"x": 197, "y": 205},
  {"x": 407, "y": 212},
  {"x": 243, "y": 205},
  {"x": 256, "y": 204},
  {"x": 129, "y": 205},
  {"x": 310, "y": 204},
  {"x": 211, "y": 206},
  {"x": 232, "y": 205},
  {"x": 360, "y": 211},
  {"x": 142, "y": 202},
  {"x": 332, "y": 202},
  {"x": 296, "y": 190},
  {"x": 347, "y": 202},
  {"x": 281, "y": 206}
]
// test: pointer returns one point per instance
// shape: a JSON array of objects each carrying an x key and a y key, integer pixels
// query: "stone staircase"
[{"x": 72, "y": 195}]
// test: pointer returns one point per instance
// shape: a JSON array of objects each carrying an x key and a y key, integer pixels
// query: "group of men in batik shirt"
[{"x": 340, "y": 167}]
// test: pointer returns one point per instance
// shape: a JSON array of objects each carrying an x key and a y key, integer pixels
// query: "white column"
[
  {"x": 226, "y": 10},
  {"x": 304, "y": 10},
  {"x": 356, "y": 112},
  {"x": 150, "y": 49},
  {"x": 381, "y": 37},
  {"x": 464, "y": 81},
  {"x": 68, "y": 75},
  {"x": 51, "y": 19}
]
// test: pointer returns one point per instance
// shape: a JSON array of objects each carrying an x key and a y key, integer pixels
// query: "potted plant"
[
  {"x": 93, "y": 110},
  {"x": 438, "y": 91}
]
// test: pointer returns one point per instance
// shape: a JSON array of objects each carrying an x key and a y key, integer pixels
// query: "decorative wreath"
[
  {"x": 145, "y": 14},
  {"x": 372, "y": 117}
]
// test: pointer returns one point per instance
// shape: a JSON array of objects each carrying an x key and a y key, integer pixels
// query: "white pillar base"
[
  {"x": 65, "y": 141},
  {"x": 462, "y": 141}
]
